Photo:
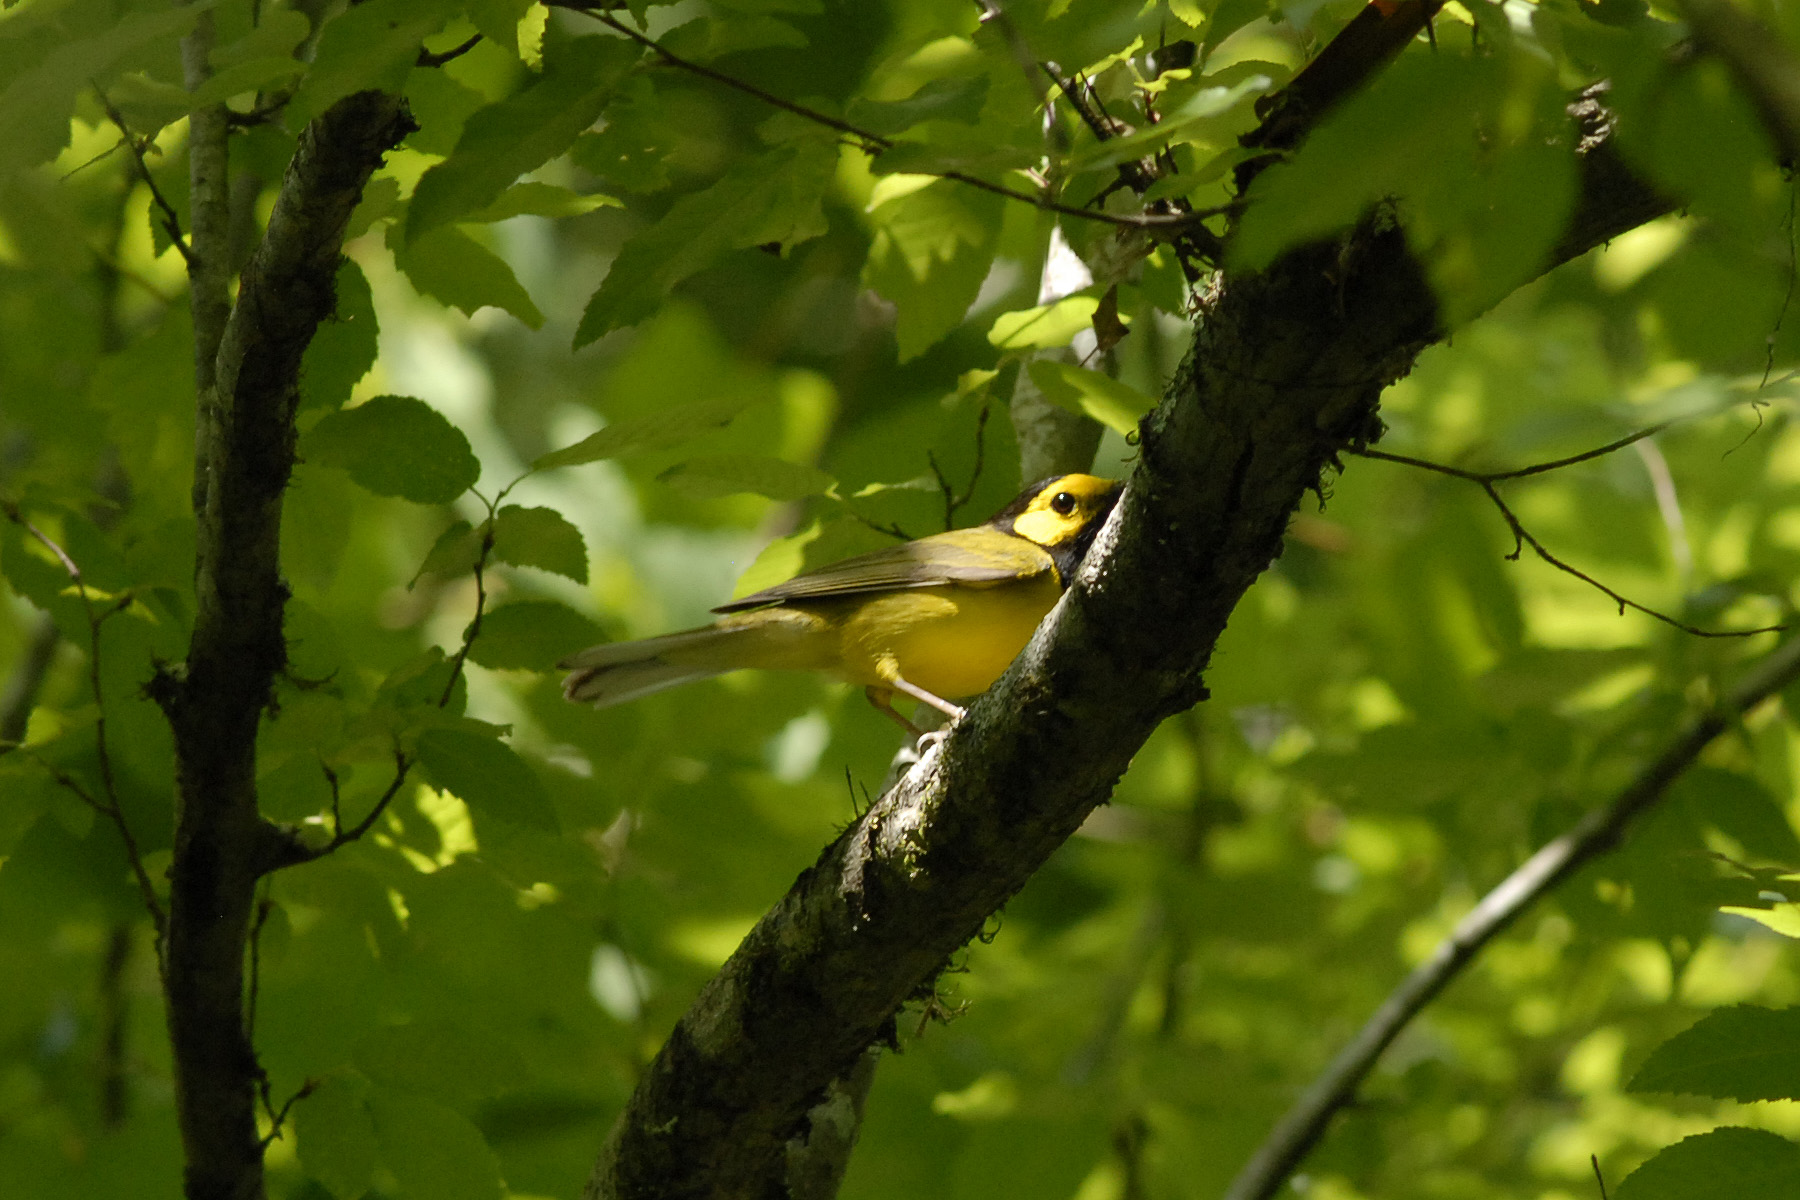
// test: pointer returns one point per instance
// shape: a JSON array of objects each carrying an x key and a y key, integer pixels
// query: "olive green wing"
[{"x": 979, "y": 557}]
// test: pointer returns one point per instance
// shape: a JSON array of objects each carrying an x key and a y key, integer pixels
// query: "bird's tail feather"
[{"x": 615, "y": 672}]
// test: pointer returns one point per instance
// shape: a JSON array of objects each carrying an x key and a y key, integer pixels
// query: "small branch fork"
[
  {"x": 107, "y": 802},
  {"x": 1595, "y": 834},
  {"x": 171, "y": 222},
  {"x": 403, "y": 762},
  {"x": 1165, "y": 224},
  {"x": 954, "y": 500},
  {"x": 1488, "y": 482}
]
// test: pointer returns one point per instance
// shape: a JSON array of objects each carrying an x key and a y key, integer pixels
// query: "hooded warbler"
[{"x": 938, "y": 617}]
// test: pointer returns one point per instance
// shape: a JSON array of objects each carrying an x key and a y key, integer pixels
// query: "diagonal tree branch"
[
  {"x": 1286, "y": 370},
  {"x": 215, "y": 700},
  {"x": 1598, "y": 832}
]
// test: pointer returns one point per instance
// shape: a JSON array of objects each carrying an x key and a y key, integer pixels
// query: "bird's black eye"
[{"x": 1062, "y": 504}]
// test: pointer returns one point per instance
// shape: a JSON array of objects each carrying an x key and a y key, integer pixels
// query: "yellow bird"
[{"x": 934, "y": 619}]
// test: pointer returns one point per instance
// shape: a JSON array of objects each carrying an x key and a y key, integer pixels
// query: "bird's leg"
[
  {"x": 882, "y": 699},
  {"x": 954, "y": 712}
]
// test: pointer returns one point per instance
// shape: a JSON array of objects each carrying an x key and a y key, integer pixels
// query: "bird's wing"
[{"x": 979, "y": 557}]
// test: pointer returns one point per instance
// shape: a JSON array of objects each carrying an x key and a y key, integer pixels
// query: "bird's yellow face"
[{"x": 1062, "y": 516}]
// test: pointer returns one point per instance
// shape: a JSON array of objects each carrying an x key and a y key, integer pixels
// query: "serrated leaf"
[
  {"x": 541, "y": 538},
  {"x": 1738, "y": 1053},
  {"x": 653, "y": 432},
  {"x": 1045, "y": 326},
  {"x": 396, "y": 446},
  {"x": 532, "y": 635},
  {"x": 774, "y": 198},
  {"x": 276, "y": 34},
  {"x": 521, "y": 133},
  {"x": 1729, "y": 1163},
  {"x": 541, "y": 200},
  {"x": 449, "y": 265},
  {"x": 39, "y": 102},
  {"x": 1115, "y": 405},
  {"x": 433, "y": 1150},
  {"x": 939, "y": 100},
  {"x": 372, "y": 45},
  {"x": 488, "y": 776},
  {"x": 932, "y": 248},
  {"x": 455, "y": 553},
  {"x": 735, "y": 474},
  {"x": 343, "y": 349},
  {"x": 498, "y": 21},
  {"x": 1739, "y": 806},
  {"x": 335, "y": 1136},
  {"x": 251, "y": 75}
]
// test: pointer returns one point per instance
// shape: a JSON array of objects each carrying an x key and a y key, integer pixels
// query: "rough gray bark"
[
  {"x": 215, "y": 699},
  {"x": 1286, "y": 368}
]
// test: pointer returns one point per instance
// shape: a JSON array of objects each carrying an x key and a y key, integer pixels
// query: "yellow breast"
[{"x": 953, "y": 640}]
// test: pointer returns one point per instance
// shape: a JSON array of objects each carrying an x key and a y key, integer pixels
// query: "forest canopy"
[{"x": 1402, "y": 802}]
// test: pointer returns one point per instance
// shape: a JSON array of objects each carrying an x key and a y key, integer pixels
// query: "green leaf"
[
  {"x": 1115, "y": 405},
  {"x": 1729, "y": 1163},
  {"x": 396, "y": 446},
  {"x": 932, "y": 248},
  {"x": 367, "y": 46},
  {"x": 335, "y": 1136},
  {"x": 455, "y": 553},
  {"x": 488, "y": 776},
  {"x": 734, "y": 474},
  {"x": 498, "y": 21},
  {"x": 441, "y": 1059},
  {"x": 532, "y": 635},
  {"x": 449, "y": 265},
  {"x": 40, "y": 101},
  {"x": 542, "y": 538},
  {"x": 1045, "y": 326},
  {"x": 774, "y": 198},
  {"x": 1743, "y": 809},
  {"x": 433, "y": 1150},
  {"x": 521, "y": 133},
  {"x": 277, "y": 33},
  {"x": 540, "y": 200},
  {"x": 654, "y": 432},
  {"x": 249, "y": 76},
  {"x": 1738, "y": 1053},
  {"x": 939, "y": 100},
  {"x": 343, "y": 349}
]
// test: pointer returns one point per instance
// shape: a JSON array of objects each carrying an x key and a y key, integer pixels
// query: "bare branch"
[
  {"x": 1600, "y": 831},
  {"x": 1522, "y": 537}
]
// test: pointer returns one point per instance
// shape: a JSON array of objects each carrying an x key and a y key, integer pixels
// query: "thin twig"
[
  {"x": 1598, "y": 1177},
  {"x": 428, "y": 59},
  {"x": 278, "y": 1119},
  {"x": 107, "y": 803},
  {"x": 1522, "y": 537},
  {"x": 952, "y": 501},
  {"x": 403, "y": 762},
  {"x": 171, "y": 221},
  {"x": 1595, "y": 834},
  {"x": 474, "y": 628},
  {"x": 873, "y": 143}
]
